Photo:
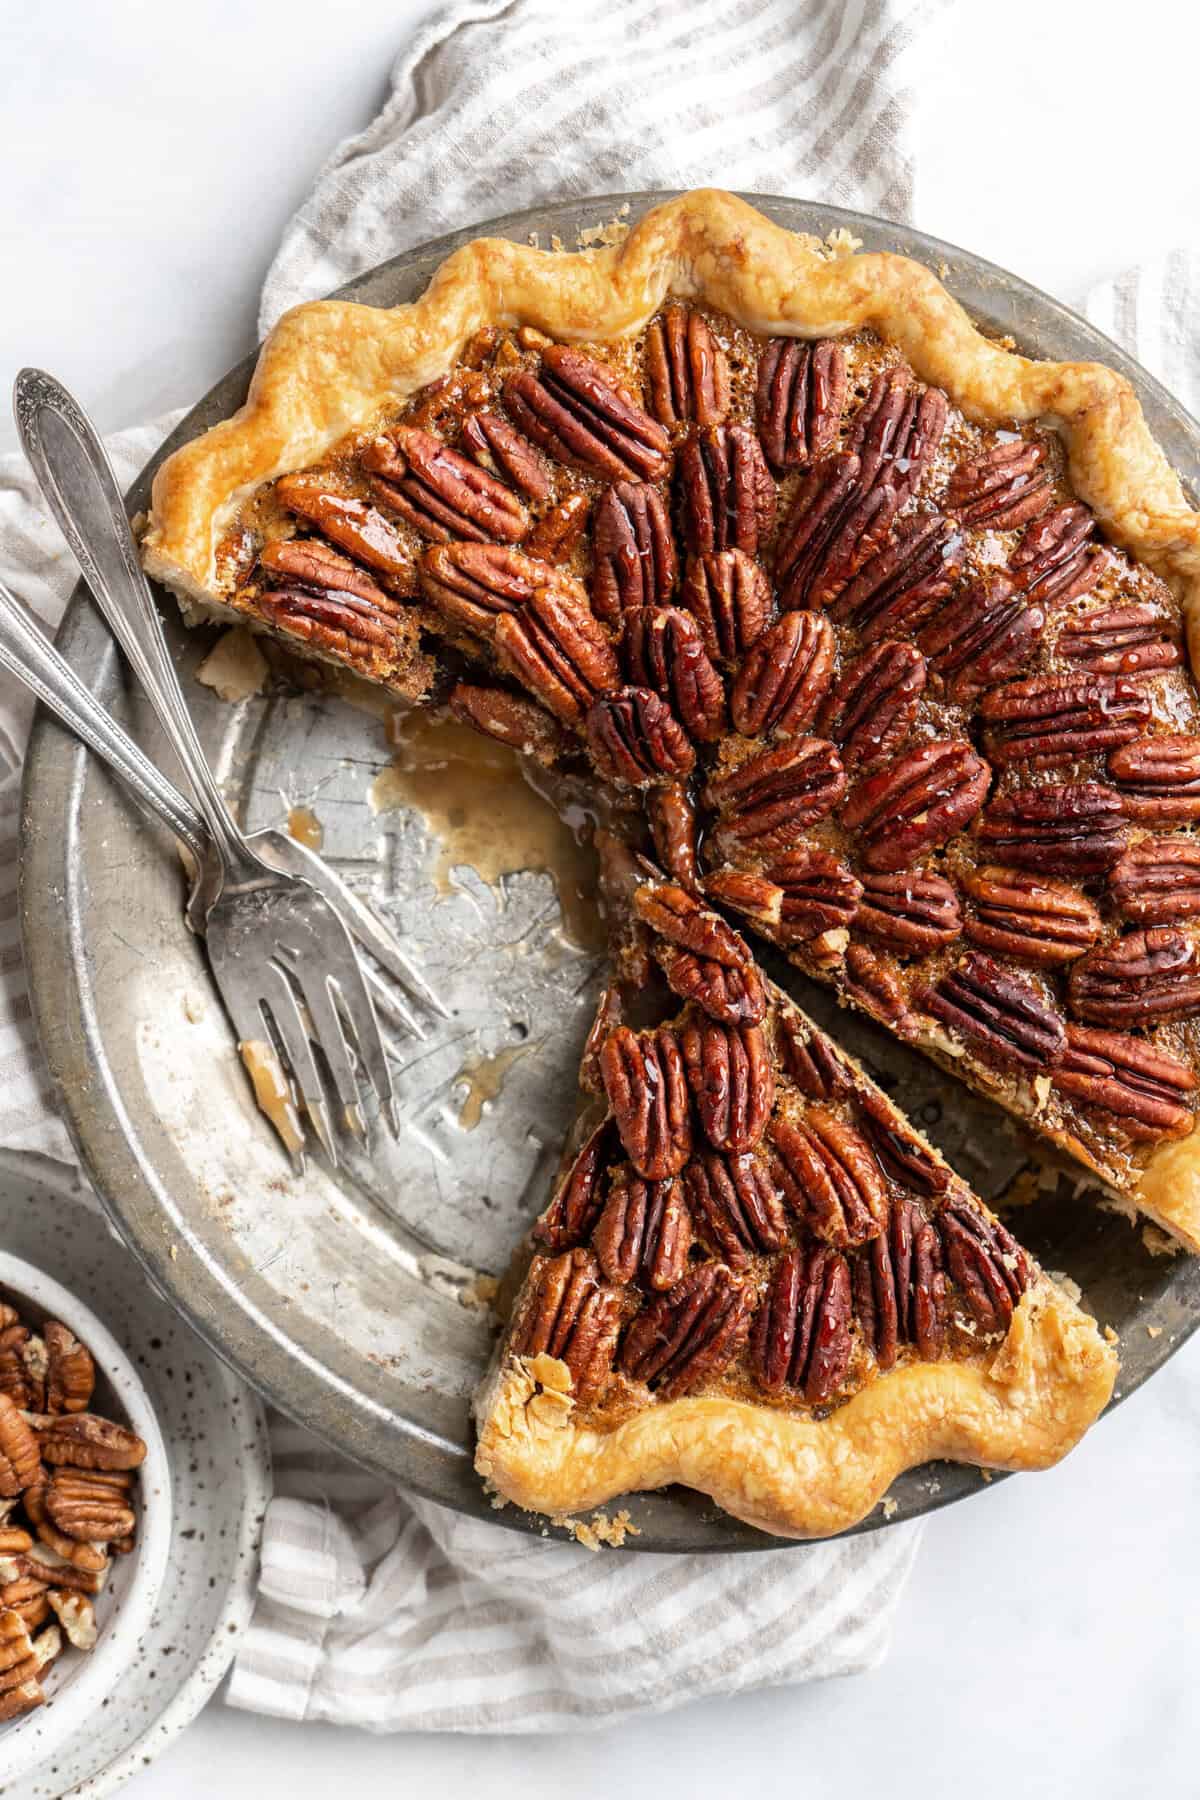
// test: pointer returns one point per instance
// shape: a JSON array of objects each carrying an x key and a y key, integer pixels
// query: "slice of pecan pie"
[
  {"x": 755, "y": 1278},
  {"x": 876, "y": 629}
]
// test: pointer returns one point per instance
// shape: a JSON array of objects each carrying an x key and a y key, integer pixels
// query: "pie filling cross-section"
[{"x": 874, "y": 635}]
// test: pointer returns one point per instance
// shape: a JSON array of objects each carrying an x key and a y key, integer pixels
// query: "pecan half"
[
  {"x": 900, "y": 1287},
  {"x": 558, "y": 531},
  {"x": 609, "y": 1013},
  {"x": 1148, "y": 975},
  {"x": 573, "y": 1314},
  {"x": 1157, "y": 882},
  {"x": 1144, "y": 1088},
  {"x": 897, "y": 432},
  {"x": 556, "y": 647},
  {"x": 834, "y": 527},
  {"x": 732, "y": 1081},
  {"x": 84, "y": 1441},
  {"x": 901, "y": 1153},
  {"x": 1034, "y": 920},
  {"x": 829, "y": 1177},
  {"x": 870, "y": 983},
  {"x": 501, "y": 449},
  {"x": 473, "y": 585},
  {"x": 798, "y": 405},
  {"x": 737, "y": 1209},
  {"x": 90, "y": 1508},
  {"x": 347, "y": 628},
  {"x": 1006, "y": 486},
  {"x": 681, "y": 919},
  {"x": 908, "y": 912},
  {"x": 819, "y": 893},
  {"x": 15, "y": 1374},
  {"x": 673, "y": 827},
  {"x": 579, "y": 413},
  {"x": 1001, "y": 1016},
  {"x": 647, "y": 1089},
  {"x": 1050, "y": 719},
  {"x": 809, "y": 1058},
  {"x": 726, "y": 495},
  {"x": 1121, "y": 640},
  {"x": 785, "y": 677},
  {"x": 984, "y": 635},
  {"x": 70, "y": 1371},
  {"x": 985, "y": 1261},
  {"x": 26, "y": 1596},
  {"x": 310, "y": 563},
  {"x": 801, "y": 1336},
  {"x": 644, "y": 1233},
  {"x": 633, "y": 551},
  {"x": 440, "y": 492},
  {"x": 1070, "y": 828},
  {"x": 691, "y": 1334},
  {"x": 663, "y": 649},
  {"x": 731, "y": 996},
  {"x": 321, "y": 596},
  {"x": 1159, "y": 778},
  {"x": 899, "y": 585},
  {"x": 729, "y": 596},
  {"x": 744, "y": 892},
  {"x": 686, "y": 370},
  {"x": 357, "y": 526},
  {"x": 521, "y": 724},
  {"x": 20, "y": 1456},
  {"x": 635, "y": 739},
  {"x": 572, "y": 1214},
  {"x": 44, "y": 1564},
  {"x": 1054, "y": 560},
  {"x": 20, "y": 1689},
  {"x": 772, "y": 795},
  {"x": 870, "y": 708},
  {"x": 918, "y": 802}
]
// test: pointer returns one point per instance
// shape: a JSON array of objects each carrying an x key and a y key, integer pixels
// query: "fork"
[{"x": 273, "y": 940}]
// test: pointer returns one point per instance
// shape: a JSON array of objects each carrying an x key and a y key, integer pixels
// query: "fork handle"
[
  {"x": 32, "y": 658},
  {"x": 77, "y": 481}
]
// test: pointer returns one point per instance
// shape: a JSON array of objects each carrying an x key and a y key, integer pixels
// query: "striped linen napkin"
[{"x": 377, "y": 1609}]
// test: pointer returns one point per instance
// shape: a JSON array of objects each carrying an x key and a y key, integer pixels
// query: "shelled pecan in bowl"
[{"x": 68, "y": 1503}]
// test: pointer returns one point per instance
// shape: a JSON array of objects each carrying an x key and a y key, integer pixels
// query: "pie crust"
[
  {"x": 332, "y": 367},
  {"x": 1022, "y": 1406}
]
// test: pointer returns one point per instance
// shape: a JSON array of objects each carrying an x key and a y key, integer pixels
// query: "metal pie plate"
[{"x": 342, "y": 1297}]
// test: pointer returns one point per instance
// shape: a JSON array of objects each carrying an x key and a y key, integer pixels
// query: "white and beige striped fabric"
[{"x": 375, "y": 1609}]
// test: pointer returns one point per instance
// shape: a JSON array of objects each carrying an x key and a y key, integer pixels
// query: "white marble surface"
[{"x": 1048, "y": 1641}]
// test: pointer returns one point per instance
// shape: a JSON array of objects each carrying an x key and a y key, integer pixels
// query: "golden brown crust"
[
  {"x": 1022, "y": 1405},
  {"x": 330, "y": 367}
]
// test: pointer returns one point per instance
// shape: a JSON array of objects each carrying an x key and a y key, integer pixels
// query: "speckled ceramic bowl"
[{"x": 79, "y": 1684}]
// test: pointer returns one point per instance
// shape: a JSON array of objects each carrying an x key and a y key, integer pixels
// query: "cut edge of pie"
[
  {"x": 819, "y": 1347},
  {"x": 330, "y": 368}
]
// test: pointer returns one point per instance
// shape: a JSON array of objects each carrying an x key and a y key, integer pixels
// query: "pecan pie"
[{"x": 882, "y": 628}]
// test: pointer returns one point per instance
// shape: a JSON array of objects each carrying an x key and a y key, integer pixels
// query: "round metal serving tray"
[{"x": 341, "y": 1298}]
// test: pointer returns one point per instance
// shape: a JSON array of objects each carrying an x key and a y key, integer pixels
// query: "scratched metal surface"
[{"x": 340, "y": 1297}]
